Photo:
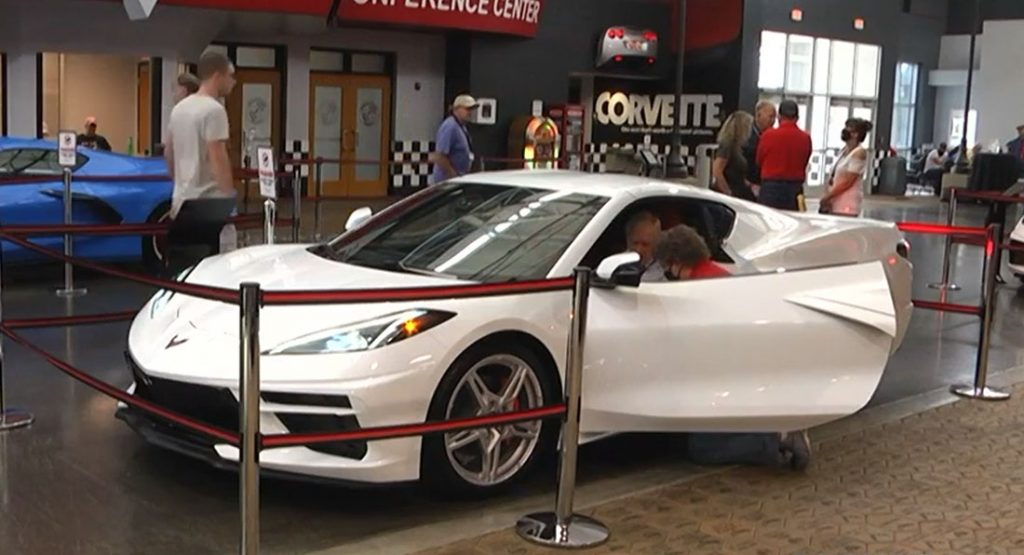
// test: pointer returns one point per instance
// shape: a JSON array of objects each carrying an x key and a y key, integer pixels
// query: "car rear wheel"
[
  {"x": 487, "y": 380},
  {"x": 154, "y": 247}
]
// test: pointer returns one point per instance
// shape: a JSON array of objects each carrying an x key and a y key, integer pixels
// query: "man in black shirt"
[
  {"x": 764, "y": 119},
  {"x": 90, "y": 139}
]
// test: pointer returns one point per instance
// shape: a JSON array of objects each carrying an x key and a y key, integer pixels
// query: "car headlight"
[
  {"x": 364, "y": 336},
  {"x": 163, "y": 296}
]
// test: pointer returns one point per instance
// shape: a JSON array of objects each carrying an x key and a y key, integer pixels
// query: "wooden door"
[
  {"x": 144, "y": 111},
  {"x": 254, "y": 109},
  {"x": 350, "y": 120}
]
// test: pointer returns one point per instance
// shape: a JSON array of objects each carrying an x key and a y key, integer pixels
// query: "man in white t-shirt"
[
  {"x": 197, "y": 145},
  {"x": 935, "y": 166}
]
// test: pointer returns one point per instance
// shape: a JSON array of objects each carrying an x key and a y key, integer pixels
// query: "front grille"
[
  {"x": 218, "y": 407},
  {"x": 211, "y": 405},
  {"x": 1017, "y": 257}
]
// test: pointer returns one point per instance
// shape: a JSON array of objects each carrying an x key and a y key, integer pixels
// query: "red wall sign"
[{"x": 513, "y": 17}]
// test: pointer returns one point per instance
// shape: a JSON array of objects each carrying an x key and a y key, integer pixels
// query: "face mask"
[
  {"x": 670, "y": 276},
  {"x": 846, "y": 136}
]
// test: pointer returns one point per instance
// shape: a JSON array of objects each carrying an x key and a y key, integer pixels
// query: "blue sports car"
[{"x": 113, "y": 202}]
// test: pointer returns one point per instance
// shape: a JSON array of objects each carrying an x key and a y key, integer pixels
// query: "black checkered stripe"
[
  {"x": 412, "y": 168},
  {"x": 597, "y": 154},
  {"x": 297, "y": 150}
]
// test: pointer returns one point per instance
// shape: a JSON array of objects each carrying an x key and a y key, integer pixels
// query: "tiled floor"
[{"x": 946, "y": 481}]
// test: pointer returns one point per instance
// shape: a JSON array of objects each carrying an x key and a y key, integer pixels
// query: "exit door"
[{"x": 350, "y": 121}]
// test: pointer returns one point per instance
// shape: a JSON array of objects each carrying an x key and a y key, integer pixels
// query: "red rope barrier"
[
  {"x": 988, "y": 195},
  {"x": 221, "y": 294},
  {"x": 939, "y": 229},
  {"x": 111, "y": 391},
  {"x": 31, "y": 179},
  {"x": 412, "y": 430},
  {"x": 415, "y": 293},
  {"x": 62, "y": 321},
  {"x": 1012, "y": 247},
  {"x": 243, "y": 221},
  {"x": 948, "y": 307}
]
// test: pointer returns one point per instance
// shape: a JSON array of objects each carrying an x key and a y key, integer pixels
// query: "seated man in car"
[
  {"x": 642, "y": 233},
  {"x": 684, "y": 255}
]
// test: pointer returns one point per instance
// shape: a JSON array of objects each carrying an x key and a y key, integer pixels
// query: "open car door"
[{"x": 758, "y": 353}]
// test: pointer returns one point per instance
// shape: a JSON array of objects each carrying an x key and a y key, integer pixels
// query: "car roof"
[{"x": 598, "y": 184}]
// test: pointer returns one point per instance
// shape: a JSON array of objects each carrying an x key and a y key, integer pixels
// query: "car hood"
[{"x": 280, "y": 268}]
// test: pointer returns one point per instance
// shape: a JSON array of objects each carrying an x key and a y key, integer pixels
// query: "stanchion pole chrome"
[
  {"x": 296, "y": 202},
  {"x": 319, "y": 175},
  {"x": 10, "y": 419},
  {"x": 249, "y": 418},
  {"x": 947, "y": 255},
  {"x": 69, "y": 276},
  {"x": 980, "y": 389},
  {"x": 563, "y": 528},
  {"x": 269, "y": 217},
  {"x": 246, "y": 164}
]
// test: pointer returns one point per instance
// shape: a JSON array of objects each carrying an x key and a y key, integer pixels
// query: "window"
[
  {"x": 830, "y": 80},
  {"x": 904, "y": 112},
  {"x": 471, "y": 231}
]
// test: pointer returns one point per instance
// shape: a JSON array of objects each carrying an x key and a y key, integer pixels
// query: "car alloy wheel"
[{"x": 496, "y": 384}]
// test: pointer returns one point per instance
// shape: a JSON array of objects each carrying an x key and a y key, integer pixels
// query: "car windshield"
[{"x": 471, "y": 231}]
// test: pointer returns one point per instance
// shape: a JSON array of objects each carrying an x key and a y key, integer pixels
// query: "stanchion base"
[
  {"x": 13, "y": 419},
  {"x": 578, "y": 532},
  {"x": 944, "y": 286},
  {"x": 69, "y": 293},
  {"x": 981, "y": 393}
]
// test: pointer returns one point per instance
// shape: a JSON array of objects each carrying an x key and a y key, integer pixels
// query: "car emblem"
[{"x": 175, "y": 341}]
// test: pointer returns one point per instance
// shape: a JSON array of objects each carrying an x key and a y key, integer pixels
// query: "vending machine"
[
  {"x": 536, "y": 141},
  {"x": 570, "y": 119}
]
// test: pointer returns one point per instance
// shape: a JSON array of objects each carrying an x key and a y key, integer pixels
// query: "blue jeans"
[
  {"x": 782, "y": 195},
  {"x": 761, "y": 449}
]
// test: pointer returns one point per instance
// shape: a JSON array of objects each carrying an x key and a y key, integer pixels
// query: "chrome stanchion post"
[
  {"x": 9, "y": 418},
  {"x": 296, "y": 202},
  {"x": 69, "y": 277},
  {"x": 979, "y": 389},
  {"x": 562, "y": 528},
  {"x": 947, "y": 254},
  {"x": 246, "y": 164},
  {"x": 269, "y": 217},
  {"x": 249, "y": 418},
  {"x": 319, "y": 175}
]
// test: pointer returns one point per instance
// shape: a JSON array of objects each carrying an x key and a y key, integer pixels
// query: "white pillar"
[
  {"x": 23, "y": 95},
  {"x": 297, "y": 83}
]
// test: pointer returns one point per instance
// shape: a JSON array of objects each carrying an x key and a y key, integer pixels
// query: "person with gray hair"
[{"x": 643, "y": 231}]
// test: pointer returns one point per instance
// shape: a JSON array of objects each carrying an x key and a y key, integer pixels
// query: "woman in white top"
[{"x": 846, "y": 188}]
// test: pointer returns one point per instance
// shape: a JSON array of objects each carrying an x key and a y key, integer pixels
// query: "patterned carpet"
[{"x": 949, "y": 480}]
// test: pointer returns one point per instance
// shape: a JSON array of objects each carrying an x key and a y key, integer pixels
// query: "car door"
[
  {"x": 770, "y": 352},
  {"x": 35, "y": 202}
]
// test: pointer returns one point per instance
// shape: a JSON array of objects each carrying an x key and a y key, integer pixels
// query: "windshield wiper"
[{"x": 424, "y": 272}]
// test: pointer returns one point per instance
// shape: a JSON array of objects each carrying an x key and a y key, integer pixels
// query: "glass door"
[
  {"x": 350, "y": 121},
  {"x": 254, "y": 109}
]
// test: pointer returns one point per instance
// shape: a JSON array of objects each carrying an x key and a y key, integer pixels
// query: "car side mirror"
[
  {"x": 358, "y": 218},
  {"x": 621, "y": 269}
]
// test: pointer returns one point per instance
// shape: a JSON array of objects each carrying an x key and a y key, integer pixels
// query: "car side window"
[
  {"x": 34, "y": 161},
  {"x": 713, "y": 221}
]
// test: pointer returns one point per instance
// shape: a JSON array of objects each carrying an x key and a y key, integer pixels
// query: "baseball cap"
[
  {"x": 789, "y": 109},
  {"x": 464, "y": 101}
]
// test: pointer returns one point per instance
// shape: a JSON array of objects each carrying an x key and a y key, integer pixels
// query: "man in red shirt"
[
  {"x": 783, "y": 154},
  {"x": 683, "y": 254}
]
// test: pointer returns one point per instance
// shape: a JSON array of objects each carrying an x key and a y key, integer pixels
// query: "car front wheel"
[{"x": 487, "y": 380}]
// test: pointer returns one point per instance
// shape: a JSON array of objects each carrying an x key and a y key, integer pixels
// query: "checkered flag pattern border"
[
  {"x": 597, "y": 155},
  {"x": 412, "y": 164}
]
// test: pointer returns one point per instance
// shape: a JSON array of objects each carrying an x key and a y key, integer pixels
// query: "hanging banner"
[{"x": 511, "y": 17}]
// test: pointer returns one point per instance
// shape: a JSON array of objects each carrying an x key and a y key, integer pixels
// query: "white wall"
[
  {"x": 1001, "y": 81},
  {"x": 420, "y": 61},
  {"x": 21, "y": 94}
]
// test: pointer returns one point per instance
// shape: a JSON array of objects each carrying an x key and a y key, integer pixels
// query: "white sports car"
[
  {"x": 1016, "y": 262},
  {"x": 798, "y": 336}
]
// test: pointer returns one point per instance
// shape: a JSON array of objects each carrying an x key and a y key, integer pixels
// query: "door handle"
[{"x": 344, "y": 135}]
